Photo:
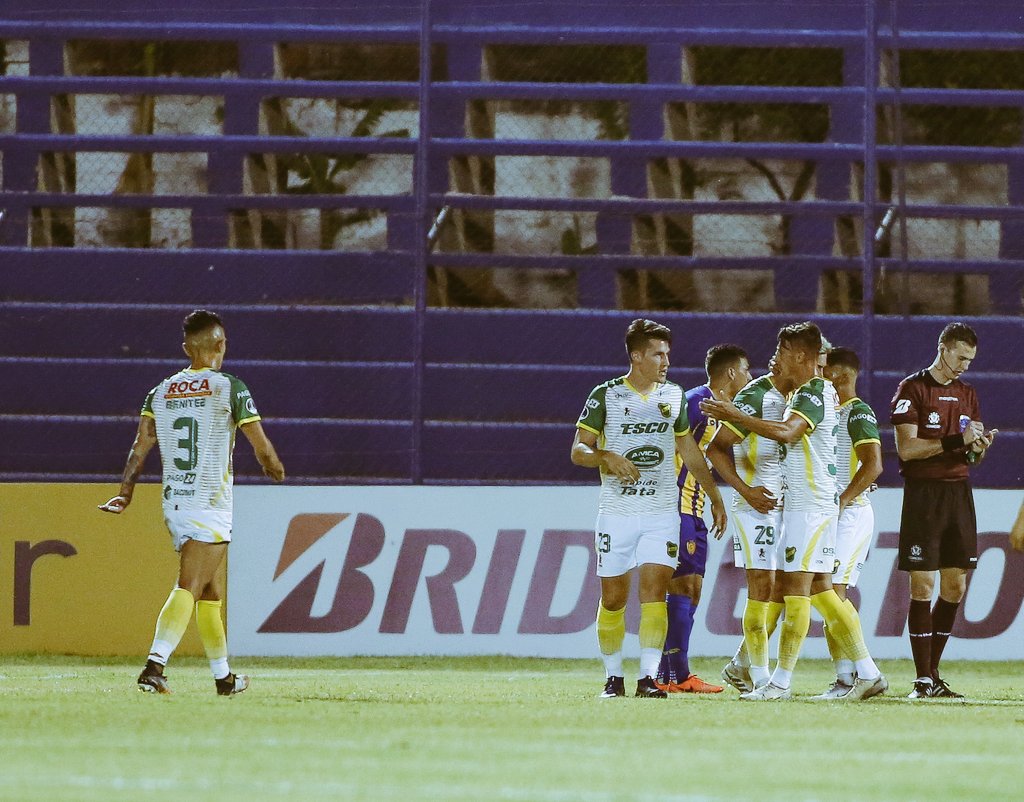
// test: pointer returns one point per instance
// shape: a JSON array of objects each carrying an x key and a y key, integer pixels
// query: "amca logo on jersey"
[{"x": 646, "y": 456}]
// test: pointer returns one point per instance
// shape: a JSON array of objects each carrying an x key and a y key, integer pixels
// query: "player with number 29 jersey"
[
  {"x": 643, "y": 429},
  {"x": 197, "y": 413}
]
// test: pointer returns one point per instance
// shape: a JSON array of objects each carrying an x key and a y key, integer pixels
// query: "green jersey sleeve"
[
  {"x": 749, "y": 401},
  {"x": 809, "y": 402},
  {"x": 682, "y": 424},
  {"x": 595, "y": 411},
  {"x": 243, "y": 408},
  {"x": 862, "y": 424},
  {"x": 147, "y": 405}
]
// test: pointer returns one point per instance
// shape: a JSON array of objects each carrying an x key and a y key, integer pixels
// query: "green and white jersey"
[
  {"x": 809, "y": 466},
  {"x": 196, "y": 414},
  {"x": 857, "y": 425},
  {"x": 757, "y": 458},
  {"x": 643, "y": 429}
]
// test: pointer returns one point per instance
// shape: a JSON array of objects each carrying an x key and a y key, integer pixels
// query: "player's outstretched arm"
[
  {"x": 721, "y": 456},
  {"x": 265, "y": 453},
  {"x": 145, "y": 439},
  {"x": 1017, "y": 533}
]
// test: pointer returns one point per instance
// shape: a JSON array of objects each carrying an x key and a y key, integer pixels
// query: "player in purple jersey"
[{"x": 728, "y": 371}]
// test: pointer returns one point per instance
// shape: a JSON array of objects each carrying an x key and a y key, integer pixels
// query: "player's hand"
[
  {"x": 116, "y": 505},
  {"x": 274, "y": 471},
  {"x": 722, "y": 410},
  {"x": 984, "y": 441},
  {"x": 973, "y": 431},
  {"x": 1017, "y": 533},
  {"x": 620, "y": 467},
  {"x": 719, "y": 518},
  {"x": 760, "y": 498}
]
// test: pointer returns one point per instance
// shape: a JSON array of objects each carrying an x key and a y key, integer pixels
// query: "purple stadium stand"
[{"x": 358, "y": 379}]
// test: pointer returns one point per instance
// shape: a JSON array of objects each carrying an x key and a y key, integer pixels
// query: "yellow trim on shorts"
[
  {"x": 744, "y": 542},
  {"x": 805, "y": 564}
]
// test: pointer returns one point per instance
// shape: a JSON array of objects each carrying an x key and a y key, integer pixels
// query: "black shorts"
[{"x": 938, "y": 528}]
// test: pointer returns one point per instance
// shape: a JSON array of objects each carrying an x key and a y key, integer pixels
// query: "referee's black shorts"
[{"x": 938, "y": 528}]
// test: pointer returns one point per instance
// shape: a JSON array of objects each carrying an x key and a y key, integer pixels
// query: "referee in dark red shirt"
[{"x": 939, "y": 435}]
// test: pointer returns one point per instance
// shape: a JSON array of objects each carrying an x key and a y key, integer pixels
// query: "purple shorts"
[{"x": 693, "y": 546}]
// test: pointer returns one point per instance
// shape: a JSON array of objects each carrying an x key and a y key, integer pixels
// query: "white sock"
[
  {"x": 219, "y": 667},
  {"x": 866, "y": 669},
  {"x": 781, "y": 677},
  {"x": 613, "y": 664},
  {"x": 844, "y": 671},
  {"x": 741, "y": 658},
  {"x": 650, "y": 659},
  {"x": 759, "y": 675}
]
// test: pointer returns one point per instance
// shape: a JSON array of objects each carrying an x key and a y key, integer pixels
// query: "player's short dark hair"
[
  {"x": 805, "y": 336},
  {"x": 199, "y": 320},
  {"x": 641, "y": 331},
  {"x": 843, "y": 358},
  {"x": 958, "y": 332},
  {"x": 722, "y": 356}
]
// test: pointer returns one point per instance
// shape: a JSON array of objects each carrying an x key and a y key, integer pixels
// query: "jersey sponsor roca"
[
  {"x": 809, "y": 465},
  {"x": 643, "y": 429},
  {"x": 197, "y": 413},
  {"x": 758, "y": 458},
  {"x": 857, "y": 425}
]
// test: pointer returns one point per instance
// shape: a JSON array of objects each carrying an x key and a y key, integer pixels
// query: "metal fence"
[{"x": 451, "y": 175}]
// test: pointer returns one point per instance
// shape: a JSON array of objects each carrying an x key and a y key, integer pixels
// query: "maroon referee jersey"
[{"x": 936, "y": 409}]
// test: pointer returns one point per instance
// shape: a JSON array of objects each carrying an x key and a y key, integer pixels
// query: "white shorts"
[
  {"x": 853, "y": 541},
  {"x": 809, "y": 541},
  {"x": 756, "y": 539},
  {"x": 625, "y": 541},
  {"x": 206, "y": 526}
]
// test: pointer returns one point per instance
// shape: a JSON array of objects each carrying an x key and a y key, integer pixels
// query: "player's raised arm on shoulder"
[
  {"x": 721, "y": 456},
  {"x": 786, "y": 431},
  {"x": 145, "y": 439},
  {"x": 264, "y": 449},
  {"x": 586, "y": 454}
]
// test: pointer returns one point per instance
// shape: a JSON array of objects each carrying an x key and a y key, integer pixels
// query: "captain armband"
[{"x": 953, "y": 442}]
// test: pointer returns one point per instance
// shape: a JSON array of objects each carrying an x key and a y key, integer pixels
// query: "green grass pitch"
[{"x": 494, "y": 728}]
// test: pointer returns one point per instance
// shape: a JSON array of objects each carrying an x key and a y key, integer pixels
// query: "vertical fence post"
[
  {"x": 421, "y": 190},
  {"x": 870, "y": 195}
]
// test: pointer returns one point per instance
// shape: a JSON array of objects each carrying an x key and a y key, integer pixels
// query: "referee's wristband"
[{"x": 953, "y": 442}]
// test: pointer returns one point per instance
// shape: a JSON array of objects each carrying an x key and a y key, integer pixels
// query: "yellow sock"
[
  {"x": 794, "y": 630},
  {"x": 843, "y": 625},
  {"x": 835, "y": 651},
  {"x": 611, "y": 629},
  {"x": 774, "y": 614},
  {"x": 171, "y": 625},
  {"x": 855, "y": 620},
  {"x": 653, "y": 629},
  {"x": 755, "y": 633},
  {"x": 211, "y": 632}
]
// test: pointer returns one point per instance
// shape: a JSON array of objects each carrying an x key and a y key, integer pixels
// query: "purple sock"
[
  {"x": 684, "y": 651},
  {"x": 680, "y": 622}
]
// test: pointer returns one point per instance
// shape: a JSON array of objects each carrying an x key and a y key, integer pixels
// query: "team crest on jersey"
[
  {"x": 790, "y": 553},
  {"x": 933, "y": 418},
  {"x": 671, "y": 548},
  {"x": 691, "y": 547},
  {"x": 665, "y": 409}
]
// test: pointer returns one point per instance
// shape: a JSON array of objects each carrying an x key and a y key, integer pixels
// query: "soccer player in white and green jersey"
[
  {"x": 193, "y": 416},
  {"x": 859, "y": 463},
  {"x": 808, "y": 433},
  {"x": 750, "y": 464},
  {"x": 630, "y": 429}
]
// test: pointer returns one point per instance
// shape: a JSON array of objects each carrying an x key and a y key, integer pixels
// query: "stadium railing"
[{"x": 365, "y": 382}]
